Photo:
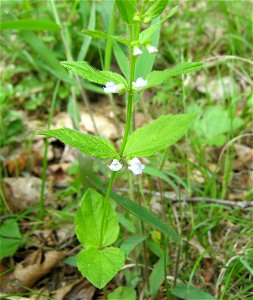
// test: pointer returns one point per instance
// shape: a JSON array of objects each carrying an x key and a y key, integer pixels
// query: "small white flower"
[
  {"x": 115, "y": 165},
  {"x": 152, "y": 49},
  {"x": 136, "y": 166},
  {"x": 137, "y": 51},
  {"x": 111, "y": 87},
  {"x": 139, "y": 84}
]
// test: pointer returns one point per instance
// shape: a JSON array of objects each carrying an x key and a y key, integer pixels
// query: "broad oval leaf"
[
  {"x": 127, "y": 10},
  {"x": 89, "y": 73},
  {"x": 100, "y": 266},
  {"x": 96, "y": 222},
  {"x": 158, "y": 77},
  {"x": 10, "y": 238},
  {"x": 188, "y": 292},
  {"x": 89, "y": 144},
  {"x": 123, "y": 293},
  {"x": 158, "y": 135}
]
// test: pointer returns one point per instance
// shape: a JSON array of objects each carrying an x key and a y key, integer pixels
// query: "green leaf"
[
  {"x": 158, "y": 77},
  {"x": 156, "y": 276},
  {"x": 29, "y": 24},
  {"x": 127, "y": 10},
  {"x": 10, "y": 238},
  {"x": 146, "y": 34},
  {"x": 140, "y": 212},
  {"x": 129, "y": 244},
  {"x": 144, "y": 63},
  {"x": 123, "y": 293},
  {"x": 122, "y": 60},
  {"x": 96, "y": 222},
  {"x": 183, "y": 291},
  {"x": 157, "y": 173},
  {"x": 88, "y": 144},
  {"x": 157, "y": 135},
  {"x": 89, "y": 73},
  {"x": 87, "y": 39},
  {"x": 156, "y": 9},
  {"x": 98, "y": 34},
  {"x": 100, "y": 266},
  {"x": 143, "y": 214}
]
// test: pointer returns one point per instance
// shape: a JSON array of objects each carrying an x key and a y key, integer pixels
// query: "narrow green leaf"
[
  {"x": 88, "y": 144},
  {"x": 96, "y": 222},
  {"x": 98, "y": 34},
  {"x": 157, "y": 135},
  {"x": 158, "y": 77},
  {"x": 87, "y": 39},
  {"x": 144, "y": 63},
  {"x": 89, "y": 73},
  {"x": 29, "y": 24},
  {"x": 156, "y": 276},
  {"x": 122, "y": 60},
  {"x": 48, "y": 57},
  {"x": 157, "y": 173},
  {"x": 127, "y": 10},
  {"x": 100, "y": 266},
  {"x": 123, "y": 293},
  {"x": 146, "y": 34},
  {"x": 143, "y": 214},
  {"x": 10, "y": 238},
  {"x": 156, "y": 9},
  {"x": 183, "y": 291},
  {"x": 129, "y": 244}
]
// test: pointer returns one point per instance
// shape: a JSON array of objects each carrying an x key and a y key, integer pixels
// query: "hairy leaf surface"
[
  {"x": 89, "y": 73},
  {"x": 158, "y": 77},
  {"x": 88, "y": 144},
  {"x": 158, "y": 135}
]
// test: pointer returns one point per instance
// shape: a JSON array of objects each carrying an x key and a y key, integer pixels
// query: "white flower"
[
  {"x": 152, "y": 49},
  {"x": 139, "y": 84},
  {"x": 137, "y": 51},
  {"x": 111, "y": 87},
  {"x": 115, "y": 165},
  {"x": 136, "y": 166}
]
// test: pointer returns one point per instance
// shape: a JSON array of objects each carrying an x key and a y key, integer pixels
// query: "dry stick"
[
  {"x": 230, "y": 143},
  {"x": 174, "y": 198},
  {"x": 224, "y": 57}
]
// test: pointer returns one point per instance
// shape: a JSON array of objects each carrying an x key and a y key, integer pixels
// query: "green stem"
[
  {"x": 44, "y": 169},
  {"x": 109, "y": 188}
]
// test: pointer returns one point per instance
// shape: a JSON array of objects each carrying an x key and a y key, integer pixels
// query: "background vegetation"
[{"x": 180, "y": 185}]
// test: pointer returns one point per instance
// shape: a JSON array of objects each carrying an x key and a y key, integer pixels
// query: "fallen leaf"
[
  {"x": 79, "y": 289},
  {"x": 23, "y": 192},
  {"x": 30, "y": 270}
]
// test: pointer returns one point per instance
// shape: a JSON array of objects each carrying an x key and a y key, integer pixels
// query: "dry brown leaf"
[
  {"x": 79, "y": 289},
  {"x": 105, "y": 126},
  {"x": 23, "y": 192},
  {"x": 30, "y": 270}
]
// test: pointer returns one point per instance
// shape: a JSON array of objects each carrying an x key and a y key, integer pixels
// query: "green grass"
[{"x": 211, "y": 234}]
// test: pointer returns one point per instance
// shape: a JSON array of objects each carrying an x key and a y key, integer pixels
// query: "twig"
[
  {"x": 216, "y": 58},
  {"x": 183, "y": 198}
]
